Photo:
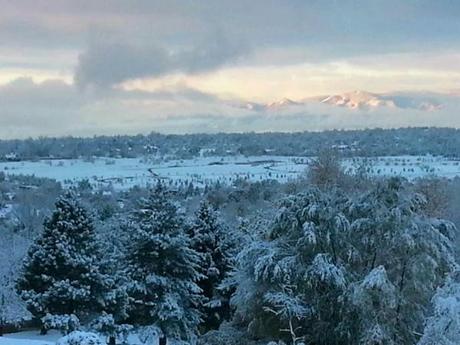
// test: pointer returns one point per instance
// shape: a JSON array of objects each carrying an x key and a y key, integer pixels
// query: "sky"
[{"x": 81, "y": 67}]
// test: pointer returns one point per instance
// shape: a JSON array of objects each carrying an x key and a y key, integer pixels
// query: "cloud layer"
[
  {"x": 55, "y": 108},
  {"x": 128, "y": 61},
  {"x": 87, "y": 67}
]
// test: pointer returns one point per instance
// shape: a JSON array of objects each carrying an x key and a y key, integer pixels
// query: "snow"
[
  {"x": 34, "y": 338},
  {"x": 326, "y": 271},
  {"x": 127, "y": 172},
  {"x": 5, "y": 211},
  {"x": 124, "y": 173},
  {"x": 80, "y": 338},
  {"x": 367, "y": 100},
  {"x": 30, "y": 338}
]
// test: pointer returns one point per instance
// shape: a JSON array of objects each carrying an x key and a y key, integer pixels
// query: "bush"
[
  {"x": 228, "y": 335},
  {"x": 80, "y": 338},
  {"x": 63, "y": 323},
  {"x": 106, "y": 325}
]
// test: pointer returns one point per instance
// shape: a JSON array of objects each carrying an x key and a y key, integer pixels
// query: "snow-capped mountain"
[
  {"x": 359, "y": 100},
  {"x": 368, "y": 100},
  {"x": 272, "y": 106},
  {"x": 282, "y": 103},
  {"x": 355, "y": 100}
]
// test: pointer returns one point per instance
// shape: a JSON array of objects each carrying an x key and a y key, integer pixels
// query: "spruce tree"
[
  {"x": 208, "y": 239},
  {"x": 163, "y": 270},
  {"x": 61, "y": 273}
]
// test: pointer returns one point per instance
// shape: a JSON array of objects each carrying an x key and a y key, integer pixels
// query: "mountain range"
[{"x": 355, "y": 100}]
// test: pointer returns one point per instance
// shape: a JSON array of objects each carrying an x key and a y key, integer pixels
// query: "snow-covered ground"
[
  {"x": 34, "y": 338},
  {"x": 30, "y": 338},
  {"x": 127, "y": 172}
]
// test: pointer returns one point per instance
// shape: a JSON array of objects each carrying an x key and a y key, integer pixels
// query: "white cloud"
[
  {"x": 410, "y": 72},
  {"x": 57, "y": 108}
]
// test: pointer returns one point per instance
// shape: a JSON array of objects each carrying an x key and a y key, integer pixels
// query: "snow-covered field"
[{"x": 127, "y": 172}]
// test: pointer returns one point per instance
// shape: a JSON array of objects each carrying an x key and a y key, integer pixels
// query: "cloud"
[
  {"x": 55, "y": 108},
  {"x": 110, "y": 63},
  {"x": 320, "y": 30},
  {"x": 258, "y": 50},
  {"x": 329, "y": 25}
]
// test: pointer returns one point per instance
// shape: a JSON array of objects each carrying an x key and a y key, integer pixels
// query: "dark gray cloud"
[
  {"x": 325, "y": 28},
  {"x": 108, "y": 63}
]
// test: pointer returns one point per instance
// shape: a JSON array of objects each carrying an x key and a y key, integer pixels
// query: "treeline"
[{"x": 371, "y": 142}]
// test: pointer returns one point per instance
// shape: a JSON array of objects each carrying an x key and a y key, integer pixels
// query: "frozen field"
[{"x": 125, "y": 173}]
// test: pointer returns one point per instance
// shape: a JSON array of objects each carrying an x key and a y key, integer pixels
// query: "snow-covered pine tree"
[
  {"x": 113, "y": 234},
  {"x": 61, "y": 273},
  {"x": 163, "y": 269},
  {"x": 209, "y": 240}
]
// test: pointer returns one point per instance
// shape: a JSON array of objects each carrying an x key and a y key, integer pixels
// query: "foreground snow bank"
[
  {"x": 13, "y": 341},
  {"x": 30, "y": 338},
  {"x": 54, "y": 338}
]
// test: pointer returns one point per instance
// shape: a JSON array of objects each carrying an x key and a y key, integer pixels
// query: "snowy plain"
[{"x": 124, "y": 173}]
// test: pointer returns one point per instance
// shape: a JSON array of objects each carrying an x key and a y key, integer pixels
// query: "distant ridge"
[{"x": 355, "y": 100}]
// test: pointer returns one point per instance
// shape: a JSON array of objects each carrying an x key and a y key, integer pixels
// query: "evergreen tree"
[
  {"x": 209, "y": 240},
  {"x": 163, "y": 270},
  {"x": 114, "y": 238},
  {"x": 61, "y": 273}
]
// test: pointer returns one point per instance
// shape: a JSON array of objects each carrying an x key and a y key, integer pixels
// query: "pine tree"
[
  {"x": 208, "y": 239},
  {"x": 61, "y": 273},
  {"x": 163, "y": 270}
]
